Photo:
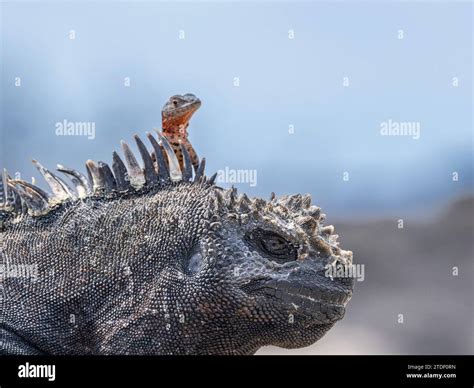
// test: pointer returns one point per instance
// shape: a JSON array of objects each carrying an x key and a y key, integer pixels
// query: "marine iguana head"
[
  {"x": 274, "y": 255},
  {"x": 174, "y": 263},
  {"x": 177, "y": 112}
]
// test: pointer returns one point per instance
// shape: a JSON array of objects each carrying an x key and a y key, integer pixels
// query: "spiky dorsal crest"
[{"x": 18, "y": 196}]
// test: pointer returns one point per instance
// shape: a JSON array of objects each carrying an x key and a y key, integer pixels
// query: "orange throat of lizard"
[{"x": 176, "y": 127}]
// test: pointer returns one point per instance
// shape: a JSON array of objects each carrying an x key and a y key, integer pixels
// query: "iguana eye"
[
  {"x": 272, "y": 245},
  {"x": 175, "y": 102}
]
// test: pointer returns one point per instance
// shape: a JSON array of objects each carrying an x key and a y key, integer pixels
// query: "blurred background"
[{"x": 297, "y": 92}]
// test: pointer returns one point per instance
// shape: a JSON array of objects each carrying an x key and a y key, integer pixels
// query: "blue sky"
[{"x": 283, "y": 82}]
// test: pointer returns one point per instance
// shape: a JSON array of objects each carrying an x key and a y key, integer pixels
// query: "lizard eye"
[
  {"x": 272, "y": 245},
  {"x": 175, "y": 102}
]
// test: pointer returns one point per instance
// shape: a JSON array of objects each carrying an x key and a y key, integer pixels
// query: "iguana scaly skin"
[{"x": 140, "y": 260}]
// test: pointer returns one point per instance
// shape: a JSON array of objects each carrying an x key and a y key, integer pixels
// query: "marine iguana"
[{"x": 160, "y": 260}]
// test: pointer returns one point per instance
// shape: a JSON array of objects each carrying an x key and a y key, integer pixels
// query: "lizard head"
[
  {"x": 178, "y": 110},
  {"x": 275, "y": 255}
]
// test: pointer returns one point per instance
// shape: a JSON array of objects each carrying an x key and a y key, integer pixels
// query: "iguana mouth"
[{"x": 324, "y": 305}]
